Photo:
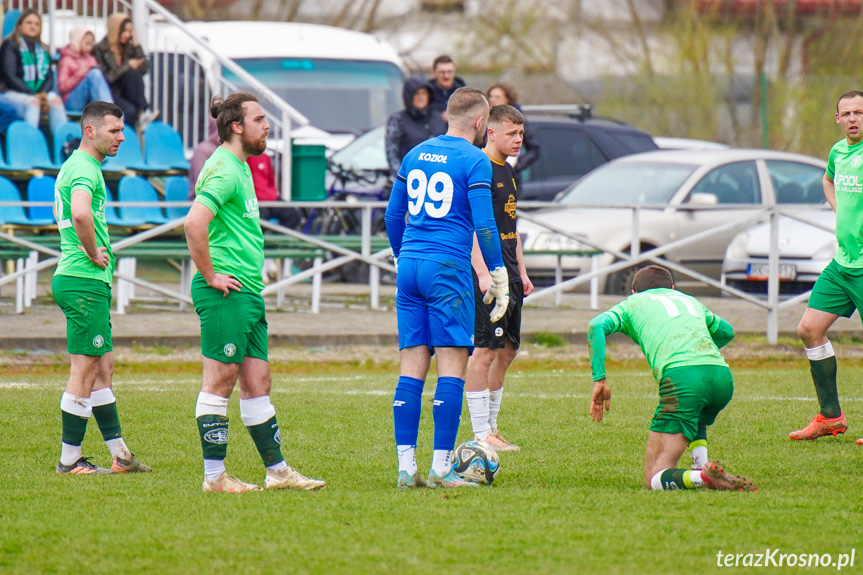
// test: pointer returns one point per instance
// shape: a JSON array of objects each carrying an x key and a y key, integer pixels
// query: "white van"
[{"x": 343, "y": 81}]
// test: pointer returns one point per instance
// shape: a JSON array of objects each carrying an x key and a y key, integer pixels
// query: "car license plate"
[{"x": 759, "y": 271}]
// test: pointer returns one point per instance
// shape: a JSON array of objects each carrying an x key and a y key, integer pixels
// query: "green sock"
[
  {"x": 701, "y": 434},
  {"x": 74, "y": 428},
  {"x": 214, "y": 436},
  {"x": 268, "y": 440},
  {"x": 672, "y": 479},
  {"x": 108, "y": 420},
  {"x": 824, "y": 377}
]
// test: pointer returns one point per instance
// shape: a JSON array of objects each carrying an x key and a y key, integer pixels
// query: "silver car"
[
  {"x": 804, "y": 251},
  {"x": 675, "y": 194}
]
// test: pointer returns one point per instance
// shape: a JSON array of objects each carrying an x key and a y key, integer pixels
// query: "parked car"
[
  {"x": 671, "y": 143},
  {"x": 804, "y": 252},
  {"x": 677, "y": 194},
  {"x": 571, "y": 143}
]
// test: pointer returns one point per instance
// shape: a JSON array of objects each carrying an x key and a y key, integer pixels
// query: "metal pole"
[
  {"x": 139, "y": 21},
  {"x": 764, "y": 109},
  {"x": 287, "y": 157},
  {"x": 773, "y": 281}
]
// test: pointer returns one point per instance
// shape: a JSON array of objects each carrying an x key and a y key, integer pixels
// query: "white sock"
[
  {"x": 81, "y": 407},
  {"x": 699, "y": 457},
  {"x": 213, "y": 468},
  {"x": 256, "y": 411},
  {"x": 407, "y": 458},
  {"x": 278, "y": 467},
  {"x": 494, "y": 398},
  {"x": 695, "y": 477},
  {"x": 209, "y": 404},
  {"x": 70, "y": 453},
  {"x": 477, "y": 405},
  {"x": 442, "y": 462},
  {"x": 820, "y": 352},
  {"x": 118, "y": 448}
]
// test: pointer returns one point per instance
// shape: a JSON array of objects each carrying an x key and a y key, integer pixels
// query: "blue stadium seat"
[
  {"x": 66, "y": 132},
  {"x": 163, "y": 148},
  {"x": 137, "y": 189},
  {"x": 41, "y": 190},
  {"x": 11, "y": 214},
  {"x": 112, "y": 215},
  {"x": 129, "y": 156},
  {"x": 177, "y": 190},
  {"x": 29, "y": 150},
  {"x": 9, "y": 21}
]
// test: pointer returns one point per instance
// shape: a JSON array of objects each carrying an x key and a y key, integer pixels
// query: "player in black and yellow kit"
[{"x": 496, "y": 344}]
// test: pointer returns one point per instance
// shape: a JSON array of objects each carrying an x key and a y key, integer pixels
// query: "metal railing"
[{"x": 339, "y": 255}]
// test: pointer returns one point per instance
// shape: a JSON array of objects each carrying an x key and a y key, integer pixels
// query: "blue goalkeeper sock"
[
  {"x": 407, "y": 403},
  {"x": 448, "y": 399}
]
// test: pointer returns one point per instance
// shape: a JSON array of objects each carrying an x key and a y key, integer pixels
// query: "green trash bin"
[{"x": 308, "y": 170}]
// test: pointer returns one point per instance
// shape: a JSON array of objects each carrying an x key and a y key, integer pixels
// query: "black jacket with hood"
[{"x": 411, "y": 126}]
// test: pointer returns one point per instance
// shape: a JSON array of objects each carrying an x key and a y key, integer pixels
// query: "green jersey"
[
  {"x": 81, "y": 172},
  {"x": 845, "y": 168},
  {"x": 225, "y": 186},
  {"x": 672, "y": 328}
]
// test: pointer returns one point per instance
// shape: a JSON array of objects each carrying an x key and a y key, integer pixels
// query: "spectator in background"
[
  {"x": 124, "y": 63},
  {"x": 264, "y": 178},
  {"x": 79, "y": 78},
  {"x": 25, "y": 73},
  {"x": 499, "y": 94},
  {"x": 443, "y": 83},
  {"x": 413, "y": 125}
]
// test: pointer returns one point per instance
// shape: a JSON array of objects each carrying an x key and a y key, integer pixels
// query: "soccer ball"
[{"x": 476, "y": 461}]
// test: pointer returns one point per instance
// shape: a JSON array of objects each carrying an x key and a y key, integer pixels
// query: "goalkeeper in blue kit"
[{"x": 441, "y": 196}]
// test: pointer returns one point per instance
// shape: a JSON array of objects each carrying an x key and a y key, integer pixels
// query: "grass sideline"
[{"x": 571, "y": 501}]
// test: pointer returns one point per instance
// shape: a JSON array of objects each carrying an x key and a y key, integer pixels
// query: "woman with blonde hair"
[
  {"x": 124, "y": 63},
  {"x": 26, "y": 78}
]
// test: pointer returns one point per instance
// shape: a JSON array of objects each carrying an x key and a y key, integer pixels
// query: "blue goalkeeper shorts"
[{"x": 434, "y": 304}]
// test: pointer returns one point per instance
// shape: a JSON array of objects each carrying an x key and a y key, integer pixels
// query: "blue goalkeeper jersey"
[{"x": 444, "y": 187}]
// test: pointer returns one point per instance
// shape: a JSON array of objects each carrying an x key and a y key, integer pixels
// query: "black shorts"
[{"x": 494, "y": 335}]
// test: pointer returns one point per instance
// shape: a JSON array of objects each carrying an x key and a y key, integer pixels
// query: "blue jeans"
[
  {"x": 92, "y": 88},
  {"x": 8, "y": 113},
  {"x": 28, "y": 107}
]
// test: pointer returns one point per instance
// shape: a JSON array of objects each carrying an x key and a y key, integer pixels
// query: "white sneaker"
[
  {"x": 228, "y": 484},
  {"x": 290, "y": 478}
]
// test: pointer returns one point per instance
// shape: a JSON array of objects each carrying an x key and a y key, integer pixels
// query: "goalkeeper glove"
[{"x": 498, "y": 292}]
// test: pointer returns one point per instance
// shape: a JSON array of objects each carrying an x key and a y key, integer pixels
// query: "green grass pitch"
[{"x": 571, "y": 501}]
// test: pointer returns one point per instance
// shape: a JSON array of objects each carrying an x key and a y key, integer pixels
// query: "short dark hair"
[
  {"x": 442, "y": 59},
  {"x": 228, "y": 110},
  {"x": 503, "y": 113},
  {"x": 508, "y": 90},
  {"x": 652, "y": 277},
  {"x": 847, "y": 96},
  {"x": 94, "y": 113},
  {"x": 463, "y": 101}
]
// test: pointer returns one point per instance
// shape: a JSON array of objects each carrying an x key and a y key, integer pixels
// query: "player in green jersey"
[
  {"x": 680, "y": 339},
  {"x": 223, "y": 231},
  {"x": 82, "y": 289},
  {"x": 839, "y": 289}
]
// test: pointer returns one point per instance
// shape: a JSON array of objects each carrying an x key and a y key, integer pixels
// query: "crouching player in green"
[{"x": 680, "y": 339}]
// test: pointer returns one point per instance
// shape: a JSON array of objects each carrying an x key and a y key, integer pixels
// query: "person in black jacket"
[
  {"x": 503, "y": 93},
  {"x": 26, "y": 77},
  {"x": 443, "y": 83},
  {"x": 413, "y": 125},
  {"x": 124, "y": 63}
]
